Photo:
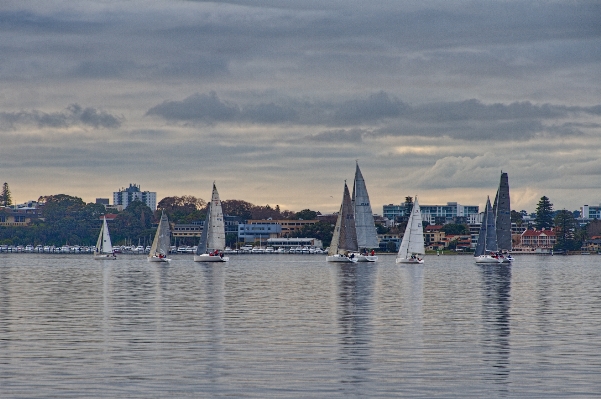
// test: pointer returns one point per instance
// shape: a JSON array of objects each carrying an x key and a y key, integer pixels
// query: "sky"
[{"x": 275, "y": 101}]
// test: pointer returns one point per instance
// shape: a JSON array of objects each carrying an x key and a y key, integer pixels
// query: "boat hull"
[
  {"x": 157, "y": 259},
  {"x": 410, "y": 261},
  {"x": 487, "y": 259},
  {"x": 340, "y": 259},
  {"x": 210, "y": 258},
  {"x": 105, "y": 257},
  {"x": 366, "y": 258}
]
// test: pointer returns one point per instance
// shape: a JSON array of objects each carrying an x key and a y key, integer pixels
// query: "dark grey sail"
[
  {"x": 487, "y": 238},
  {"x": 502, "y": 212},
  {"x": 202, "y": 244},
  {"x": 345, "y": 233}
]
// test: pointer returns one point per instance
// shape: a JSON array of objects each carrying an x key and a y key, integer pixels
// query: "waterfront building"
[
  {"x": 125, "y": 196},
  {"x": 251, "y": 232},
  {"x": 433, "y": 214},
  {"x": 385, "y": 239},
  {"x": 287, "y": 226},
  {"x": 434, "y": 236},
  {"x": 194, "y": 229},
  {"x": 288, "y": 243},
  {"x": 538, "y": 239}
]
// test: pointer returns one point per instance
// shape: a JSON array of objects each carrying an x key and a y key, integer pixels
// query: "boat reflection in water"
[
  {"x": 496, "y": 306},
  {"x": 355, "y": 308}
]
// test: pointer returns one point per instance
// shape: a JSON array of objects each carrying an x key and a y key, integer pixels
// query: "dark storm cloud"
[{"x": 74, "y": 115}]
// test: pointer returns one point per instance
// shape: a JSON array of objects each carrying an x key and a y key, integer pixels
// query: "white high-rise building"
[{"x": 127, "y": 195}]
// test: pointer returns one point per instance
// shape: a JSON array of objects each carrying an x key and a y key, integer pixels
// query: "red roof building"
[{"x": 538, "y": 238}]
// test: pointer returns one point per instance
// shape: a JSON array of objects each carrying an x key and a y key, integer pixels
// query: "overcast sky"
[{"x": 275, "y": 100}]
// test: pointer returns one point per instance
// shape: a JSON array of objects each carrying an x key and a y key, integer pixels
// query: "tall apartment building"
[
  {"x": 125, "y": 196},
  {"x": 433, "y": 213}
]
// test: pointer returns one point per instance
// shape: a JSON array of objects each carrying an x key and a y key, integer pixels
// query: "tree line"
[{"x": 67, "y": 219}]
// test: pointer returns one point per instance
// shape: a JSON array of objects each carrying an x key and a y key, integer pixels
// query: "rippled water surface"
[{"x": 296, "y": 326}]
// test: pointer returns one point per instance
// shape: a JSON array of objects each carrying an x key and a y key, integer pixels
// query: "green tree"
[
  {"x": 455, "y": 229},
  {"x": 306, "y": 214},
  {"x": 391, "y": 246},
  {"x": 320, "y": 230},
  {"x": 565, "y": 231},
  {"x": 517, "y": 218},
  {"x": 184, "y": 209},
  {"x": 408, "y": 205},
  {"x": 544, "y": 214},
  {"x": 5, "y": 197},
  {"x": 237, "y": 208},
  {"x": 133, "y": 224}
]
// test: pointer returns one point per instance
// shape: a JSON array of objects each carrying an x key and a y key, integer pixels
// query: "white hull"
[
  {"x": 366, "y": 258},
  {"x": 412, "y": 261},
  {"x": 210, "y": 258},
  {"x": 104, "y": 257},
  {"x": 157, "y": 259},
  {"x": 486, "y": 259},
  {"x": 340, "y": 259}
]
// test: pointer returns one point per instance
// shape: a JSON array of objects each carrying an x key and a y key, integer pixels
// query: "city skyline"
[{"x": 275, "y": 101}]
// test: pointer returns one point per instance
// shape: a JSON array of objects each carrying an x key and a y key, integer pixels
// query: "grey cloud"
[
  {"x": 206, "y": 108},
  {"x": 74, "y": 115},
  {"x": 375, "y": 107},
  {"x": 388, "y": 116},
  {"x": 340, "y": 136}
]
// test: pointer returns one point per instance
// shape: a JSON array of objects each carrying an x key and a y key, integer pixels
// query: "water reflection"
[
  {"x": 413, "y": 287},
  {"x": 214, "y": 288},
  {"x": 355, "y": 287},
  {"x": 496, "y": 305}
]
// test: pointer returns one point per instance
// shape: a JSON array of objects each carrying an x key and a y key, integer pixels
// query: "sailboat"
[
  {"x": 486, "y": 249},
  {"x": 344, "y": 240},
  {"x": 502, "y": 213},
  {"x": 367, "y": 236},
  {"x": 212, "y": 239},
  {"x": 413, "y": 240},
  {"x": 104, "y": 248},
  {"x": 160, "y": 244}
]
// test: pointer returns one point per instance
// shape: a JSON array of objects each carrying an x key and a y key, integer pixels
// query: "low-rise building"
[
  {"x": 18, "y": 216},
  {"x": 538, "y": 239},
  {"x": 258, "y": 231},
  {"x": 288, "y": 243}
]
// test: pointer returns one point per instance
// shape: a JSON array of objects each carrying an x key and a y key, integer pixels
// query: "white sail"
[
  {"x": 216, "y": 232},
  {"x": 99, "y": 241},
  {"x": 367, "y": 236},
  {"x": 413, "y": 240},
  {"x": 160, "y": 244},
  {"x": 107, "y": 247}
]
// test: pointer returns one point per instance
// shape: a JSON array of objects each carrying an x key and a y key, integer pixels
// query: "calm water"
[{"x": 295, "y": 326}]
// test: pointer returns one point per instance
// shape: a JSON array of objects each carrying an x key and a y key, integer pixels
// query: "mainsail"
[
  {"x": 367, "y": 236},
  {"x": 162, "y": 238},
  {"x": 202, "y": 245},
  {"x": 487, "y": 238},
  {"x": 213, "y": 233},
  {"x": 502, "y": 212},
  {"x": 103, "y": 245},
  {"x": 345, "y": 233},
  {"x": 413, "y": 240}
]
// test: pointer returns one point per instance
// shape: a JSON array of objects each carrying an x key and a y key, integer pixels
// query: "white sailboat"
[
  {"x": 412, "y": 245},
  {"x": 344, "y": 240},
  {"x": 104, "y": 248},
  {"x": 367, "y": 236},
  {"x": 160, "y": 245},
  {"x": 486, "y": 249},
  {"x": 212, "y": 239}
]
